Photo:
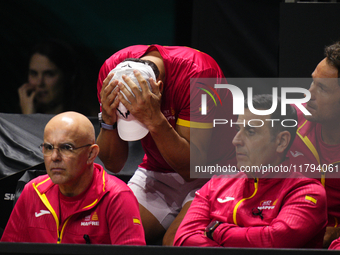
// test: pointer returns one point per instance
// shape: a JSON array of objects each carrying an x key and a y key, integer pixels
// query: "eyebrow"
[{"x": 243, "y": 124}]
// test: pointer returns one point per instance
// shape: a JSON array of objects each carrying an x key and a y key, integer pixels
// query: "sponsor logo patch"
[{"x": 90, "y": 220}]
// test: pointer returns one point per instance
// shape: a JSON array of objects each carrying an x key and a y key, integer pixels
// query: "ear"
[
  {"x": 156, "y": 86},
  {"x": 160, "y": 86},
  {"x": 94, "y": 150},
  {"x": 282, "y": 140}
]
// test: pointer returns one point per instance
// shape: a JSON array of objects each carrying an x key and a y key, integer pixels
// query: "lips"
[
  {"x": 311, "y": 106},
  {"x": 57, "y": 169},
  {"x": 42, "y": 93},
  {"x": 240, "y": 154}
]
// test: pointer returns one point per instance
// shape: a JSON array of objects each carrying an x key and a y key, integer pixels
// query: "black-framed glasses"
[{"x": 65, "y": 149}]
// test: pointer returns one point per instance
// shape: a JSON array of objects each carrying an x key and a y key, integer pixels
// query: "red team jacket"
[
  {"x": 285, "y": 212},
  {"x": 108, "y": 214},
  {"x": 308, "y": 150}
]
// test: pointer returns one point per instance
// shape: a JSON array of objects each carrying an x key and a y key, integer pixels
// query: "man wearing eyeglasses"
[{"x": 70, "y": 203}]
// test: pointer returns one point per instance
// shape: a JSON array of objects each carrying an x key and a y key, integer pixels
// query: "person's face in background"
[{"x": 46, "y": 79}]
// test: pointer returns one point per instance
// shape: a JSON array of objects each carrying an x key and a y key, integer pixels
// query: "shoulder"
[
  {"x": 43, "y": 180},
  {"x": 196, "y": 63},
  {"x": 114, "y": 184},
  {"x": 118, "y": 192},
  {"x": 297, "y": 180},
  {"x": 131, "y": 51},
  {"x": 134, "y": 51},
  {"x": 226, "y": 181},
  {"x": 41, "y": 183}
]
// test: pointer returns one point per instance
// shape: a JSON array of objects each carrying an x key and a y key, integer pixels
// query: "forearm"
[
  {"x": 195, "y": 239},
  {"x": 174, "y": 148},
  {"x": 230, "y": 235},
  {"x": 113, "y": 150},
  {"x": 277, "y": 236},
  {"x": 295, "y": 227},
  {"x": 192, "y": 228}
]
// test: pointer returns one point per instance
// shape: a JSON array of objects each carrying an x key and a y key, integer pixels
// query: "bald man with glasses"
[{"x": 70, "y": 203}]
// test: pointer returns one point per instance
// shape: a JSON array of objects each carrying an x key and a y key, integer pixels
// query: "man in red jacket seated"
[
  {"x": 282, "y": 209},
  {"x": 317, "y": 143},
  {"x": 70, "y": 204}
]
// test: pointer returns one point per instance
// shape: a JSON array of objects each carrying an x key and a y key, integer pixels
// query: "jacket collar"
[{"x": 94, "y": 193}]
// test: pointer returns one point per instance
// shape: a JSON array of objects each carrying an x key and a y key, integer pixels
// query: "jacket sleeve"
[
  {"x": 302, "y": 217},
  {"x": 335, "y": 245},
  {"x": 17, "y": 229},
  {"x": 124, "y": 220},
  {"x": 191, "y": 230}
]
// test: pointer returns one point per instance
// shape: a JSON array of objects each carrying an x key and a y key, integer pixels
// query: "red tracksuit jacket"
[
  {"x": 108, "y": 214},
  {"x": 309, "y": 149},
  {"x": 293, "y": 210}
]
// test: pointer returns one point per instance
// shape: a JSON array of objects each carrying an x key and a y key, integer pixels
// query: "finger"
[
  {"x": 106, "y": 82},
  {"x": 125, "y": 91},
  {"x": 142, "y": 82},
  {"x": 21, "y": 89},
  {"x": 110, "y": 91},
  {"x": 131, "y": 84},
  {"x": 122, "y": 100},
  {"x": 26, "y": 86},
  {"x": 26, "y": 90},
  {"x": 23, "y": 86},
  {"x": 107, "y": 79},
  {"x": 32, "y": 95}
]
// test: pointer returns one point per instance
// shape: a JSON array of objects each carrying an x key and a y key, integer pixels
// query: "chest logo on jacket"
[
  {"x": 42, "y": 212},
  {"x": 226, "y": 199},
  {"x": 267, "y": 205},
  {"x": 296, "y": 154},
  {"x": 90, "y": 220}
]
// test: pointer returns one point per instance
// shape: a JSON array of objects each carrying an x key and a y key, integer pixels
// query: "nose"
[
  {"x": 312, "y": 90},
  {"x": 238, "y": 141},
  {"x": 56, "y": 156},
  {"x": 41, "y": 82},
  {"x": 37, "y": 80}
]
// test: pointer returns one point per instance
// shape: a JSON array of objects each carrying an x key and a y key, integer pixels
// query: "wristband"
[
  {"x": 103, "y": 125},
  {"x": 108, "y": 127}
]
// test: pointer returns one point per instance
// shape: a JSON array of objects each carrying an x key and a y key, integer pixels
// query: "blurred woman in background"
[{"x": 55, "y": 81}]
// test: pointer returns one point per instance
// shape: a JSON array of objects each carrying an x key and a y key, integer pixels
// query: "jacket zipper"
[{"x": 256, "y": 183}]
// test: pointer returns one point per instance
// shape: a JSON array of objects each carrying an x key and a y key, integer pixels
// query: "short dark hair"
[
  {"x": 332, "y": 53},
  {"x": 147, "y": 62},
  {"x": 264, "y": 102}
]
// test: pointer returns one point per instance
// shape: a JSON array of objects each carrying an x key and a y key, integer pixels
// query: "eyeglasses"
[{"x": 65, "y": 149}]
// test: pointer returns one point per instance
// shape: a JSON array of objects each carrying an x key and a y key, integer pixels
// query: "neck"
[
  {"x": 156, "y": 58},
  {"x": 330, "y": 134},
  {"x": 266, "y": 171}
]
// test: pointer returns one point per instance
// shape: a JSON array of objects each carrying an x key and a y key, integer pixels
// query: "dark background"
[
  {"x": 267, "y": 38},
  {"x": 249, "y": 39}
]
